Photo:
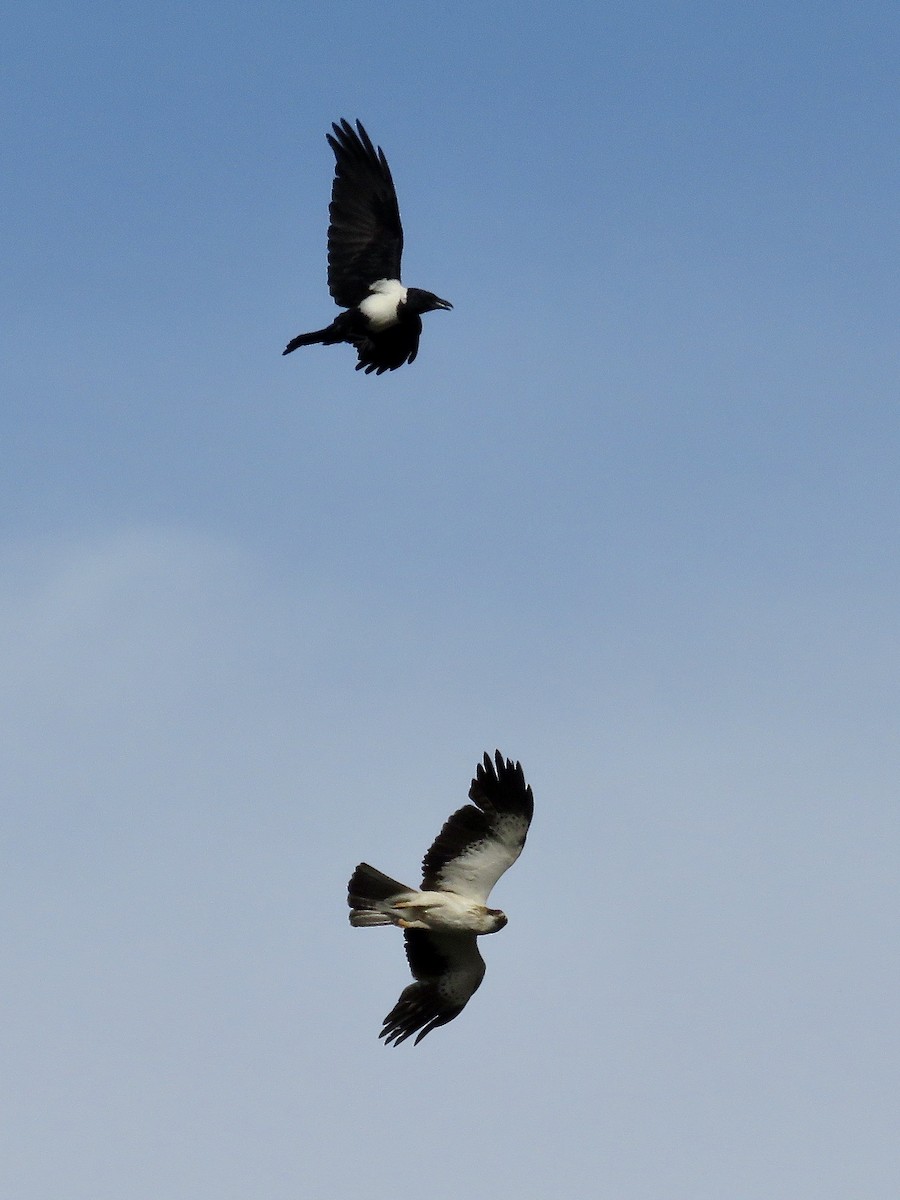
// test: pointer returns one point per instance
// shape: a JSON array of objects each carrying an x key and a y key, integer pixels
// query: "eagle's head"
[{"x": 498, "y": 919}]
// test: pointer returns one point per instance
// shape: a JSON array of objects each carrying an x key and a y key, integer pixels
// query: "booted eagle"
[
  {"x": 383, "y": 320},
  {"x": 442, "y": 920}
]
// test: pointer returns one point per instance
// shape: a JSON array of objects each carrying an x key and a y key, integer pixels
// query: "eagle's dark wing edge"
[
  {"x": 365, "y": 236},
  {"x": 495, "y": 792},
  {"x": 448, "y": 970}
]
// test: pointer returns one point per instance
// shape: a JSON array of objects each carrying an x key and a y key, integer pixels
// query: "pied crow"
[{"x": 383, "y": 320}]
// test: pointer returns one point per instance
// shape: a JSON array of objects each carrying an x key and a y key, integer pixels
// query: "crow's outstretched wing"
[
  {"x": 365, "y": 237},
  {"x": 389, "y": 348}
]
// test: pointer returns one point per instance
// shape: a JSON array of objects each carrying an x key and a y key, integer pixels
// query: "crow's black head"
[{"x": 420, "y": 301}]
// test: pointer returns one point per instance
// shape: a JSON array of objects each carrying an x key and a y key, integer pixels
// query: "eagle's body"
[
  {"x": 383, "y": 321},
  {"x": 442, "y": 920},
  {"x": 409, "y": 908}
]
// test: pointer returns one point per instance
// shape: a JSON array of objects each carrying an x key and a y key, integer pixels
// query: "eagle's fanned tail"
[{"x": 370, "y": 893}]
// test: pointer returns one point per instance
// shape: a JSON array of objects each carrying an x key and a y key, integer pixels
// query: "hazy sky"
[{"x": 632, "y": 517}]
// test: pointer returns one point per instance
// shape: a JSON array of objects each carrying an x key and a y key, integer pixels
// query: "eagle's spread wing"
[
  {"x": 479, "y": 842},
  {"x": 447, "y": 970},
  {"x": 365, "y": 237}
]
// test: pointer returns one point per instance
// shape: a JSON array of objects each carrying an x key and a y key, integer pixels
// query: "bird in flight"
[
  {"x": 442, "y": 921},
  {"x": 383, "y": 319}
]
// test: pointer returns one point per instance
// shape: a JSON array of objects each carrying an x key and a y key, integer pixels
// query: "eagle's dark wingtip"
[{"x": 501, "y": 781}]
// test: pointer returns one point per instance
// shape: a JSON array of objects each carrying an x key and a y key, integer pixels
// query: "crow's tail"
[{"x": 309, "y": 339}]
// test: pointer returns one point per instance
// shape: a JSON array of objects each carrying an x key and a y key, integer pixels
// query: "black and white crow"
[{"x": 365, "y": 242}]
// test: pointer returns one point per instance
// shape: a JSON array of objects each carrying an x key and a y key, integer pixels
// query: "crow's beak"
[{"x": 439, "y": 303}]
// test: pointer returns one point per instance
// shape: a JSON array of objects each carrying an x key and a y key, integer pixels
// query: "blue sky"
[{"x": 631, "y": 516}]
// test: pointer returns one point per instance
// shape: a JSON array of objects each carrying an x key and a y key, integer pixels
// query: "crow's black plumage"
[{"x": 383, "y": 319}]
